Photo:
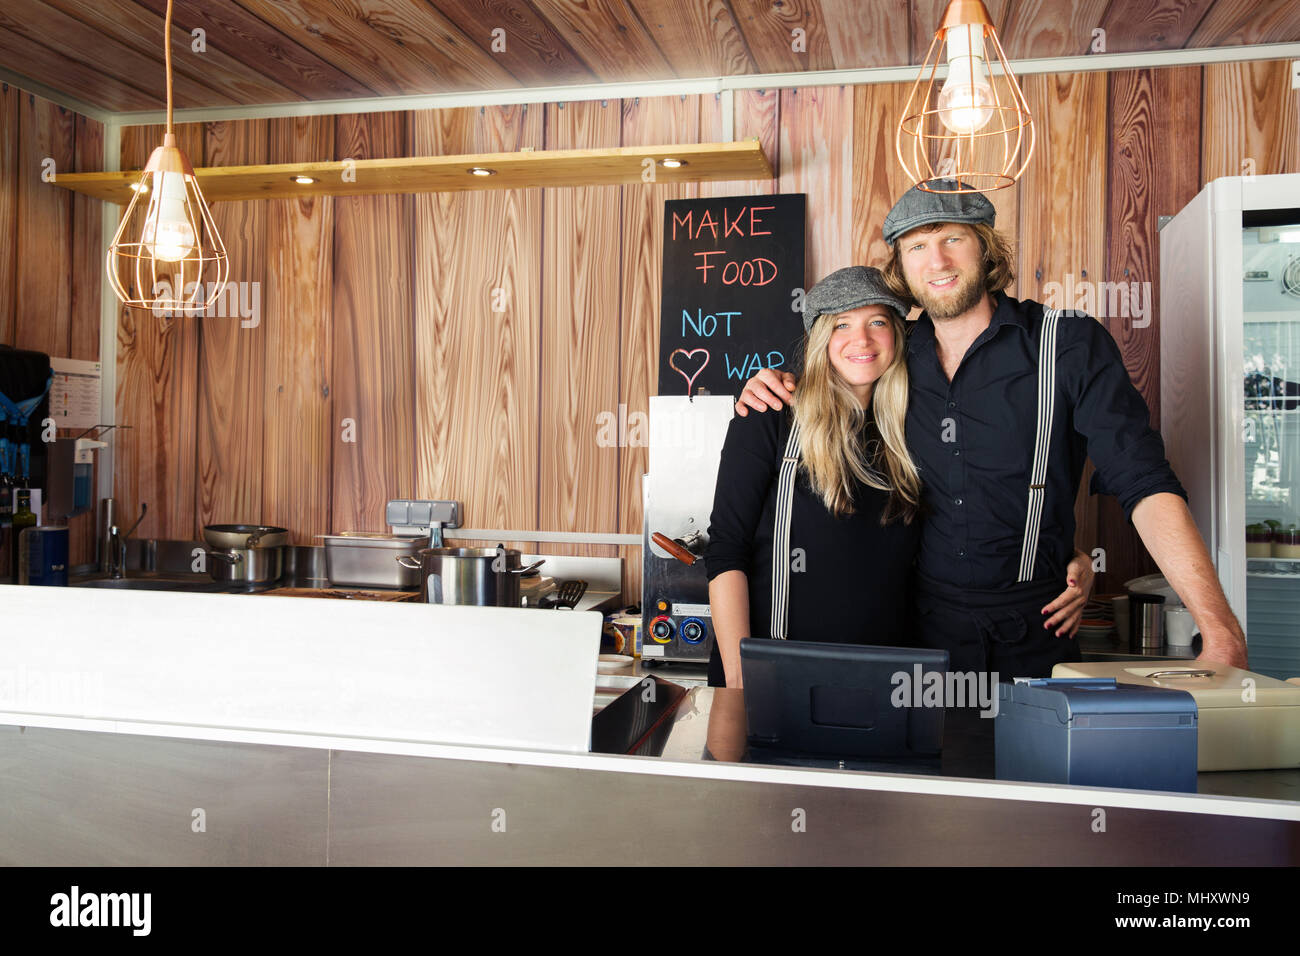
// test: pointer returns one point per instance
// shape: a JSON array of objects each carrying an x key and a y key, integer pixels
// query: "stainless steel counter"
[
  {"x": 709, "y": 725},
  {"x": 353, "y": 803},
  {"x": 281, "y": 795}
]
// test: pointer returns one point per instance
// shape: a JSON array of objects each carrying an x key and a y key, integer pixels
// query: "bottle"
[
  {"x": 7, "y": 572},
  {"x": 23, "y": 518}
]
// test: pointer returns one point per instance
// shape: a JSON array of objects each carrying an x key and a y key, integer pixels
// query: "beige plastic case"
[{"x": 1245, "y": 721}]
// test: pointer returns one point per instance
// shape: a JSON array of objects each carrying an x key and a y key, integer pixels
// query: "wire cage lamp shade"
[
  {"x": 179, "y": 264},
  {"x": 974, "y": 125}
]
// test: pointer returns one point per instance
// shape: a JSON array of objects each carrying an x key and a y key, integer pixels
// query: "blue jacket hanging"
[{"x": 18, "y": 413}]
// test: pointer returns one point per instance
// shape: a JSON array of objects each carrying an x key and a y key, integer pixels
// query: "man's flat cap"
[{"x": 920, "y": 207}]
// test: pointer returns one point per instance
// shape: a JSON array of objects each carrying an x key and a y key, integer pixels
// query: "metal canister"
[
  {"x": 43, "y": 556},
  {"x": 1146, "y": 623}
]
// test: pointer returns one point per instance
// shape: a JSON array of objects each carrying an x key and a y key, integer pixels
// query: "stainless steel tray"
[{"x": 365, "y": 560}]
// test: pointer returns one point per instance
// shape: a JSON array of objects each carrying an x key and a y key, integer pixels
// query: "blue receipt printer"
[{"x": 1095, "y": 732}]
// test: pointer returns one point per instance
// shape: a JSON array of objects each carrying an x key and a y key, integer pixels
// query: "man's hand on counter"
[
  {"x": 1222, "y": 646},
  {"x": 768, "y": 389},
  {"x": 1170, "y": 534}
]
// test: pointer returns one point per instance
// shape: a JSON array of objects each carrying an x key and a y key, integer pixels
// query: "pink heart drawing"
[{"x": 690, "y": 379}]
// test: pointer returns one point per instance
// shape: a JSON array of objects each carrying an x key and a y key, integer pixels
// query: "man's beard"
[{"x": 967, "y": 295}]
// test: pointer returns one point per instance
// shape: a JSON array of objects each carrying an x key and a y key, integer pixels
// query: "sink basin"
[{"x": 148, "y": 584}]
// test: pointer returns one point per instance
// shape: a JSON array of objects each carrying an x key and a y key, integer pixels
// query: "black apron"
[{"x": 998, "y": 630}]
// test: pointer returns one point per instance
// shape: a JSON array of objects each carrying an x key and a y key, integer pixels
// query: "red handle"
[{"x": 673, "y": 548}]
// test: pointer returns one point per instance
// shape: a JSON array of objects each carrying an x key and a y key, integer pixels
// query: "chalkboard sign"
[{"x": 733, "y": 272}]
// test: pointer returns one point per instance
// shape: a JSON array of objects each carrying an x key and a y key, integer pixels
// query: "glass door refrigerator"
[{"x": 1230, "y": 396}]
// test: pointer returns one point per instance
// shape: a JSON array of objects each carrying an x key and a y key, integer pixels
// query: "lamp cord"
[{"x": 167, "y": 53}]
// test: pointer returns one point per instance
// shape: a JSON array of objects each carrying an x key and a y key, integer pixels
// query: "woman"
[{"x": 852, "y": 530}]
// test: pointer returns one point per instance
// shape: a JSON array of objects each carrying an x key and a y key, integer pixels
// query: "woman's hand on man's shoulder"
[{"x": 769, "y": 388}]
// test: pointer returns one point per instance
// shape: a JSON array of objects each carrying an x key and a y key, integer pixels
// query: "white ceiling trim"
[{"x": 703, "y": 85}]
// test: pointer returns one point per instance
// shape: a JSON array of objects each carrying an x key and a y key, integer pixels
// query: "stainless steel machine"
[{"x": 686, "y": 437}]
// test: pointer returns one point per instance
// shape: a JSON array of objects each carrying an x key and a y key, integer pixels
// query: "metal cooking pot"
[
  {"x": 241, "y": 537},
  {"x": 485, "y": 577},
  {"x": 246, "y": 565}
]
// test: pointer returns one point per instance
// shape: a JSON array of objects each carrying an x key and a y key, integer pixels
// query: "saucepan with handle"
[
  {"x": 484, "y": 577},
  {"x": 245, "y": 553}
]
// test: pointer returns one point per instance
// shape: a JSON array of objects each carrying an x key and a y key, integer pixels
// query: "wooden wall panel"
[
  {"x": 1061, "y": 228},
  {"x": 43, "y": 303},
  {"x": 157, "y": 389},
  {"x": 816, "y": 158},
  {"x": 755, "y": 116},
  {"x": 374, "y": 373},
  {"x": 478, "y": 323},
  {"x": 580, "y": 333},
  {"x": 88, "y": 283},
  {"x": 232, "y": 347},
  {"x": 298, "y": 427},
  {"x": 878, "y": 178},
  {"x": 1251, "y": 120},
  {"x": 87, "y": 246},
  {"x": 646, "y": 121},
  {"x": 1153, "y": 171},
  {"x": 8, "y": 208}
]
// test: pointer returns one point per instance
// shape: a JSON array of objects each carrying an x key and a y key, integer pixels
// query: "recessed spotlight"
[
  {"x": 481, "y": 171},
  {"x": 671, "y": 163},
  {"x": 139, "y": 187},
  {"x": 302, "y": 180}
]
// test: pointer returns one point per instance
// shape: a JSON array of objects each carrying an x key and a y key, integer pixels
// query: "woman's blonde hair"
[
  {"x": 830, "y": 422},
  {"x": 998, "y": 255}
]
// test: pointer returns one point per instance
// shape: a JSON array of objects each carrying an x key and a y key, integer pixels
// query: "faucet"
[{"x": 115, "y": 549}]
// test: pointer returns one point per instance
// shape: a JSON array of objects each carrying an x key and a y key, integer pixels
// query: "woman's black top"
[{"x": 849, "y": 575}]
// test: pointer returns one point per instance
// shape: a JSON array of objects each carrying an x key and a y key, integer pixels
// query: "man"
[{"x": 1007, "y": 401}]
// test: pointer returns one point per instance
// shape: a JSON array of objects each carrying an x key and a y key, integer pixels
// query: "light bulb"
[
  {"x": 168, "y": 234},
  {"x": 966, "y": 101}
]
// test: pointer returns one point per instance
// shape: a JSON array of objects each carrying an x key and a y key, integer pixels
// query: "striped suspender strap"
[
  {"x": 1042, "y": 442},
  {"x": 781, "y": 536}
]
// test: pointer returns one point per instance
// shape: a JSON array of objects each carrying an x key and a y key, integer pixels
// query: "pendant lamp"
[
  {"x": 974, "y": 125},
  {"x": 178, "y": 265}
]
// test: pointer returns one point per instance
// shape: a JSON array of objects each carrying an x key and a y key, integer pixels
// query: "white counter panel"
[{"x": 496, "y": 677}]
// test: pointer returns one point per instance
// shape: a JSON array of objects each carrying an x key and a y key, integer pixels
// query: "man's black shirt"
[{"x": 973, "y": 440}]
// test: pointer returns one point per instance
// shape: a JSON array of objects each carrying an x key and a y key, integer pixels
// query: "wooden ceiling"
[{"x": 107, "y": 53}]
